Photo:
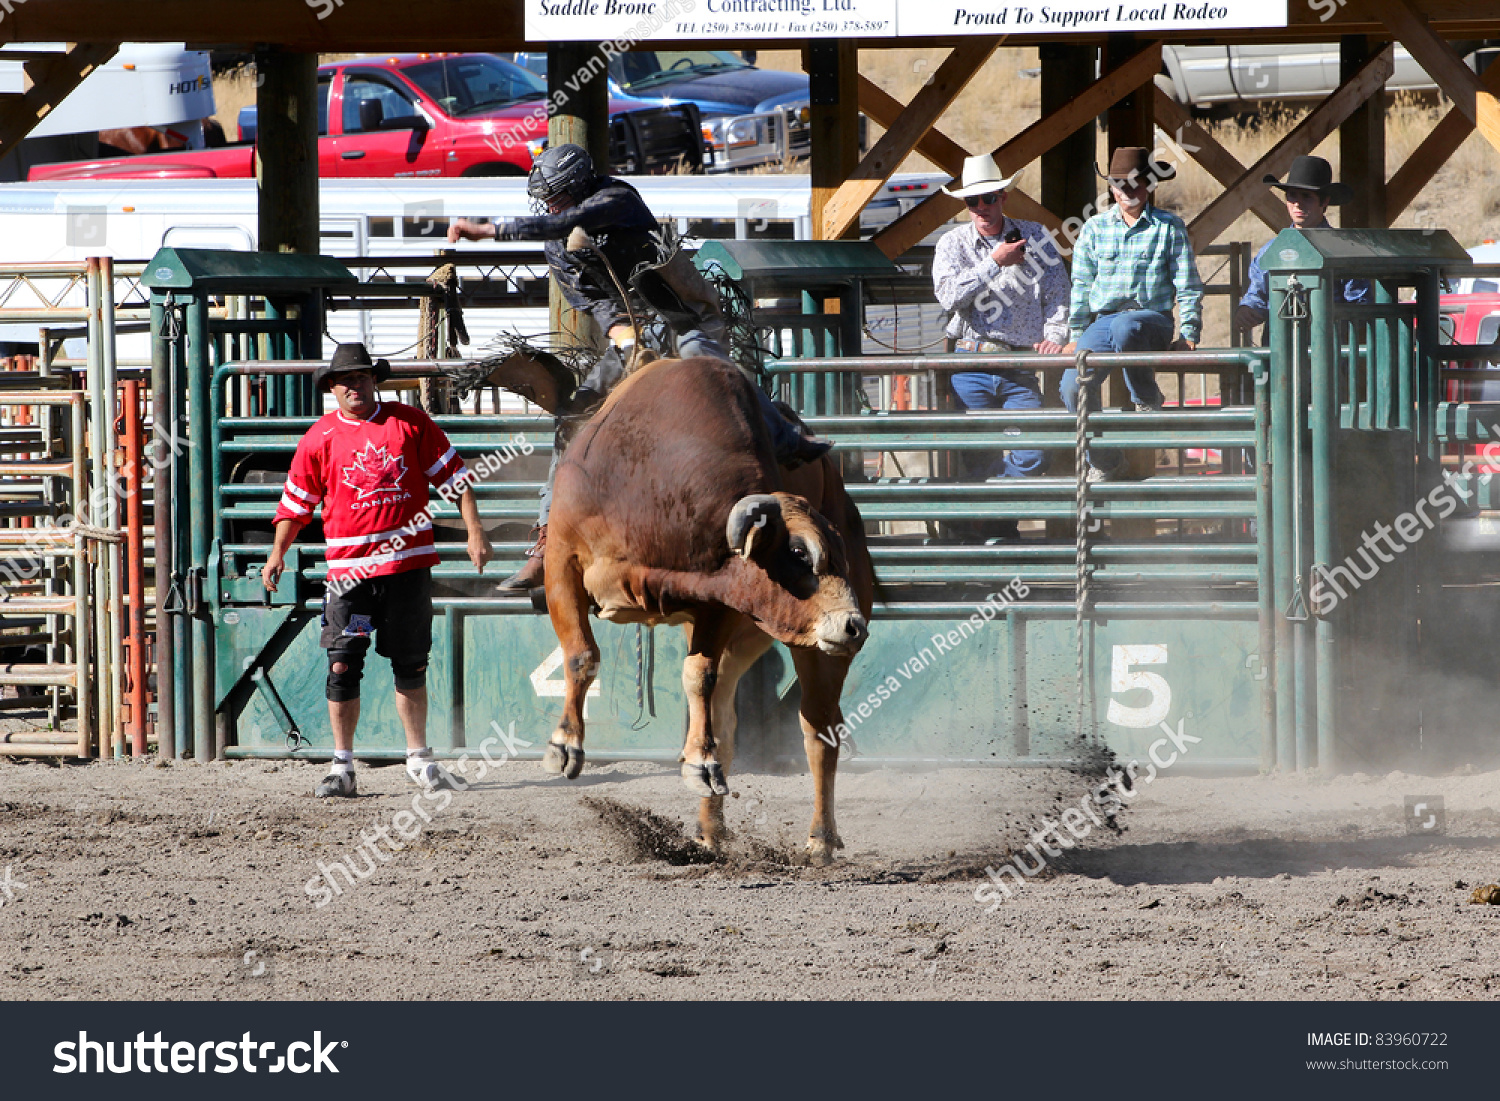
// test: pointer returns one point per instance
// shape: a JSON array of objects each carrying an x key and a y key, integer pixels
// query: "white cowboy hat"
[{"x": 981, "y": 176}]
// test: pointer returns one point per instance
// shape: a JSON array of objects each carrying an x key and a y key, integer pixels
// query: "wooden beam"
[
  {"x": 944, "y": 152},
  {"x": 833, "y": 86},
  {"x": 286, "y": 152},
  {"x": 926, "y": 107},
  {"x": 1324, "y": 119},
  {"x": 1443, "y": 64},
  {"x": 1217, "y": 161},
  {"x": 52, "y": 78},
  {"x": 1026, "y": 146},
  {"x": 1428, "y": 158},
  {"x": 1362, "y": 146}
]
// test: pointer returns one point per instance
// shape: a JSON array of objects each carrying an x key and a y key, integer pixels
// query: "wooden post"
[
  {"x": 1362, "y": 145},
  {"x": 582, "y": 118},
  {"x": 833, "y": 84},
  {"x": 1069, "y": 187},
  {"x": 1068, "y": 180},
  {"x": 286, "y": 151},
  {"x": 1132, "y": 117}
]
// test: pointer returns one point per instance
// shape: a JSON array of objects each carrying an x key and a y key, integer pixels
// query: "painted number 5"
[{"x": 1123, "y": 679}]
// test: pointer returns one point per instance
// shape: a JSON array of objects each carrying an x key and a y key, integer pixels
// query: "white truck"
[
  {"x": 1221, "y": 76},
  {"x": 160, "y": 85}
]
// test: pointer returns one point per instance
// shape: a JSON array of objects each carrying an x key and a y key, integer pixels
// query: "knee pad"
[
  {"x": 410, "y": 675},
  {"x": 344, "y": 673}
]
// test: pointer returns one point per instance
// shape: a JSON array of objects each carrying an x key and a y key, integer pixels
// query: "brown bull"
[{"x": 669, "y": 508}]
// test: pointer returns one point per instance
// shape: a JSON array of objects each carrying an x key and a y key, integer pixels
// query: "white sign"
[
  {"x": 621, "y": 24},
  {"x": 628, "y": 22},
  {"x": 1049, "y": 17}
]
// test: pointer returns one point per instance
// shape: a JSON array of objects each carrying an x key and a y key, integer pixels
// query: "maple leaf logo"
[{"x": 374, "y": 470}]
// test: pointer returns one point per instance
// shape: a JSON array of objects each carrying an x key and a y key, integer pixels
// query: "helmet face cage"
[{"x": 560, "y": 170}]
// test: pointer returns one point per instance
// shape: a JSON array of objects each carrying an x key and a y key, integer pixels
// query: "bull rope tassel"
[{"x": 1085, "y": 730}]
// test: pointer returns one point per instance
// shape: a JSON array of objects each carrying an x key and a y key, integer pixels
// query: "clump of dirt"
[
  {"x": 1488, "y": 895},
  {"x": 648, "y": 835},
  {"x": 1370, "y": 899}
]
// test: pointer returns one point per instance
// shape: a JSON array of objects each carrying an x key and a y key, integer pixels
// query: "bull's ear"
[{"x": 752, "y": 517}]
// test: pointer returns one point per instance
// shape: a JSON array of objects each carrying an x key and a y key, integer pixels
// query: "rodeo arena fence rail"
[{"x": 1210, "y": 585}]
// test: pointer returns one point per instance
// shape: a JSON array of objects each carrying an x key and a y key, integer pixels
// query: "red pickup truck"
[{"x": 427, "y": 115}]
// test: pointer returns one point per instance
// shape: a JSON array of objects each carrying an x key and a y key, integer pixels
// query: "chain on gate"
[
  {"x": 1294, "y": 309},
  {"x": 1085, "y": 731}
]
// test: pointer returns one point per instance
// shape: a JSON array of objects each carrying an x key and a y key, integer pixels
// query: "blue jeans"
[
  {"x": 1000, "y": 390},
  {"x": 1126, "y": 331}
]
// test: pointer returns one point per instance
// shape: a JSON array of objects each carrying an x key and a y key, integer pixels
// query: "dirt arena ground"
[{"x": 181, "y": 880}]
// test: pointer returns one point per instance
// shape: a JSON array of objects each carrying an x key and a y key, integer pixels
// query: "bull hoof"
[
  {"x": 706, "y": 779},
  {"x": 563, "y": 760},
  {"x": 820, "y": 850}
]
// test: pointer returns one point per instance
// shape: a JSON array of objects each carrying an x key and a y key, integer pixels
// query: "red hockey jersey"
[{"x": 371, "y": 477}]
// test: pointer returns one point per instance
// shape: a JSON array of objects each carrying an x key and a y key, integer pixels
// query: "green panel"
[
  {"x": 800, "y": 263},
  {"x": 1369, "y": 252},
  {"x": 206, "y": 270},
  {"x": 956, "y": 703},
  {"x": 506, "y": 664}
]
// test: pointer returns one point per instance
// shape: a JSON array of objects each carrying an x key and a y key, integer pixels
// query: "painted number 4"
[
  {"x": 543, "y": 683},
  {"x": 1123, "y": 678}
]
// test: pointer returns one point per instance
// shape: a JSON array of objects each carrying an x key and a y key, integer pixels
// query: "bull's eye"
[{"x": 801, "y": 553}]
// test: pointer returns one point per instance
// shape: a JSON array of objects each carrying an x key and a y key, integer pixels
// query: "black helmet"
[{"x": 559, "y": 170}]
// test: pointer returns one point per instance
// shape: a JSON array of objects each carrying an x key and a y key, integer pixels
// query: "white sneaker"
[
  {"x": 427, "y": 773},
  {"x": 338, "y": 784}
]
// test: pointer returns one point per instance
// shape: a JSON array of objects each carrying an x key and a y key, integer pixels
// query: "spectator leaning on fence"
[
  {"x": 1309, "y": 190},
  {"x": 369, "y": 464},
  {"x": 1131, "y": 264},
  {"x": 1007, "y": 291}
]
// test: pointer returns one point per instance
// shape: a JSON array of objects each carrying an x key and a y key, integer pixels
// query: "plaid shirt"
[
  {"x": 1020, "y": 305},
  {"x": 1144, "y": 266}
]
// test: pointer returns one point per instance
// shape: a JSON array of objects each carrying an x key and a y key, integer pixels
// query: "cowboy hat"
[
  {"x": 981, "y": 175},
  {"x": 1131, "y": 162},
  {"x": 1316, "y": 175},
  {"x": 346, "y": 358}
]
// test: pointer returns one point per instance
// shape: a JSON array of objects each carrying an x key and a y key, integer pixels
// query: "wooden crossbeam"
[
  {"x": 1322, "y": 121},
  {"x": 1026, "y": 146},
  {"x": 1219, "y": 162},
  {"x": 946, "y": 153},
  {"x": 52, "y": 78},
  {"x": 926, "y": 107},
  {"x": 1428, "y": 158},
  {"x": 1469, "y": 94}
]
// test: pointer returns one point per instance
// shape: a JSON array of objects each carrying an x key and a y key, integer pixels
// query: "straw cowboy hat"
[
  {"x": 1316, "y": 175},
  {"x": 981, "y": 175}
]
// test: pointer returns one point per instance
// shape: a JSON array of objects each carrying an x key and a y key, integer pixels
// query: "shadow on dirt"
[{"x": 1205, "y": 861}]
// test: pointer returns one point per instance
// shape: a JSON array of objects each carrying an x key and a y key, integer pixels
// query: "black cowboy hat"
[
  {"x": 1316, "y": 175},
  {"x": 350, "y": 357}
]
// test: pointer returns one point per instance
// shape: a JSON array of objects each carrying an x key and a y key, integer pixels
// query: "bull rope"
[{"x": 1085, "y": 729}]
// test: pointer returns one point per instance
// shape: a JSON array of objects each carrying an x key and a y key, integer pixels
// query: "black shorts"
[{"x": 395, "y": 608}]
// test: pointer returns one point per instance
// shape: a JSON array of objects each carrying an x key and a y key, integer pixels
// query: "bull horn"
[{"x": 749, "y": 516}]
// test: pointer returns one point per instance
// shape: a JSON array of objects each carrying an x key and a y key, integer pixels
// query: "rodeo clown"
[
  {"x": 626, "y": 251},
  {"x": 369, "y": 464}
]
